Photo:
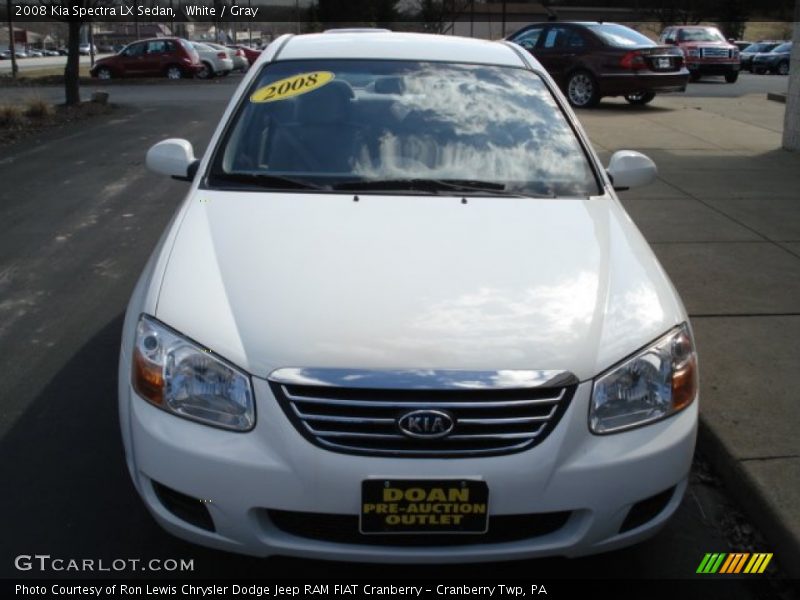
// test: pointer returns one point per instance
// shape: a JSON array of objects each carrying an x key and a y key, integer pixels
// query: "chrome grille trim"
[
  {"x": 421, "y": 453},
  {"x": 358, "y": 418},
  {"x": 422, "y": 379},
  {"x": 422, "y": 404}
]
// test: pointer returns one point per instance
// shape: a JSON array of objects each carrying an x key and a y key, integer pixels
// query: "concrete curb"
[
  {"x": 776, "y": 97},
  {"x": 747, "y": 492}
]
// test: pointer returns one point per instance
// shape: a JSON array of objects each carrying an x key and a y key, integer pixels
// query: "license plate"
[
  {"x": 663, "y": 63},
  {"x": 424, "y": 506}
]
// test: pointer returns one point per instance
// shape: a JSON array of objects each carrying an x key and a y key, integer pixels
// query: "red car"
[
  {"x": 251, "y": 54},
  {"x": 158, "y": 57},
  {"x": 706, "y": 49}
]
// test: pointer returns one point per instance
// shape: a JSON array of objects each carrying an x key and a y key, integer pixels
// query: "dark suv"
[
  {"x": 158, "y": 57},
  {"x": 774, "y": 61},
  {"x": 749, "y": 53},
  {"x": 592, "y": 60}
]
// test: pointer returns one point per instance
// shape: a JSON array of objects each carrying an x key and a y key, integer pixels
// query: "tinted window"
[
  {"x": 709, "y": 34},
  {"x": 374, "y": 121},
  {"x": 528, "y": 39},
  {"x": 157, "y": 47},
  {"x": 783, "y": 48},
  {"x": 553, "y": 37},
  {"x": 621, "y": 36},
  {"x": 563, "y": 37},
  {"x": 134, "y": 50}
]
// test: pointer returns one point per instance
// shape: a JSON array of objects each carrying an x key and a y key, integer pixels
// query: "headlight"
[
  {"x": 693, "y": 52},
  {"x": 185, "y": 379},
  {"x": 652, "y": 385}
]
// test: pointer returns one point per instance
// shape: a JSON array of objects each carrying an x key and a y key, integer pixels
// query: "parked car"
[
  {"x": 251, "y": 54},
  {"x": 593, "y": 60},
  {"x": 748, "y": 53},
  {"x": 237, "y": 55},
  {"x": 740, "y": 44},
  {"x": 52, "y": 53},
  {"x": 158, "y": 57},
  {"x": 87, "y": 49},
  {"x": 774, "y": 61},
  {"x": 420, "y": 297},
  {"x": 706, "y": 49},
  {"x": 5, "y": 55},
  {"x": 34, "y": 53},
  {"x": 214, "y": 62}
]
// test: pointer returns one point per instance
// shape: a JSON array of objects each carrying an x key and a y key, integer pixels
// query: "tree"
[
  {"x": 372, "y": 12},
  {"x": 436, "y": 14},
  {"x": 68, "y": 8},
  {"x": 791, "y": 118}
]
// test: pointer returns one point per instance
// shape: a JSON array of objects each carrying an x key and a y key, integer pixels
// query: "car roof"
[{"x": 398, "y": 46}]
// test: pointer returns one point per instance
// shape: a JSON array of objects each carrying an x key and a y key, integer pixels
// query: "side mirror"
[
  {"x": 173, "y": 157},
  {"x": 628, "y": 168}
]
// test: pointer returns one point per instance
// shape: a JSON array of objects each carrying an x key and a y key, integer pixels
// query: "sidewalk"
[{"x": 724, "y": 219}]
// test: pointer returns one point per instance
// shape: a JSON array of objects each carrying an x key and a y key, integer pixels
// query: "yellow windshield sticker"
[{"x": 292, "y": 86}]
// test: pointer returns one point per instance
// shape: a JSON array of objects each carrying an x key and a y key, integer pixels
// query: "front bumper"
[
  {"x": 714, "y": 68},
  {"x": 596, "y": 478},
  {"x": 764, "y": 65}
]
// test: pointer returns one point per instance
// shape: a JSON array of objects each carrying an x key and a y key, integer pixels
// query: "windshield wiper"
[
  {"x": 265, "y": 180},
  {"x": 423, "y": 185}
]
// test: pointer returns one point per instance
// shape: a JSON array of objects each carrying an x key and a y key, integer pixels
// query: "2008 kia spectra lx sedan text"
[{"x": 402, "y": 316}]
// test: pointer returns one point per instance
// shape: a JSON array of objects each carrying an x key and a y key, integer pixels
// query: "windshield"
[
  {"x": 422, "y": 127},
  {"x": 621, "y": 36},
  {"x": 706, "y": 34},
  {"x": 759, "y": 47}
]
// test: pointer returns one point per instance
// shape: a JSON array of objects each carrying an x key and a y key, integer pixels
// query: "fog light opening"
[
  {"x": 189, "y": 509},
  {"x": 646, "y": 510}
]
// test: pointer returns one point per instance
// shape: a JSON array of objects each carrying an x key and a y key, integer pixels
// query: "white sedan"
[
  {"x": 215, "y": 62},
  {"x": 402, "y": 316}
]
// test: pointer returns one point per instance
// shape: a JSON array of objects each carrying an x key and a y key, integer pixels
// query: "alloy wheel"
[{"x": 580, "y": 89}]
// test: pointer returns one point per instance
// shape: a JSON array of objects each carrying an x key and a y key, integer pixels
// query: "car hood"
[{"x": 408, "y": 282}]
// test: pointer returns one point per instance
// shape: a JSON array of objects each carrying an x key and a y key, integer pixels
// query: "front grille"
[
  {"x": 716, "y": 53},
  {"x": 365, "y": 420},
  {"x": 343, "y": 529}
]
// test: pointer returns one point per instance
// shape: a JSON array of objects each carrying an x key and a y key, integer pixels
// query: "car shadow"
[{"x": 625, "y": 107}]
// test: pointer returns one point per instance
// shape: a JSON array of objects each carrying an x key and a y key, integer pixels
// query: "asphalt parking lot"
[{"x": 78, "y": 223}]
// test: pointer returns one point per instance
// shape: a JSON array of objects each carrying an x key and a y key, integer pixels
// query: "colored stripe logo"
[{"x": 734, "y": 563}]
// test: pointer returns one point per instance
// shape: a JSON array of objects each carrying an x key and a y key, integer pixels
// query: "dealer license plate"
[
  {"x": 664, "y": 63},
  {"x": 424, "y": 506}
]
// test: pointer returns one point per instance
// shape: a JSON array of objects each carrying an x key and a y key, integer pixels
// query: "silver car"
[
  {"x": 215, "y": 62},
  {"x": 240, "y": 62}
]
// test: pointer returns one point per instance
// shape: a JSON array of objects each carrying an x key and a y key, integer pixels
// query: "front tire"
[
  {"x": 732, "y": 77},
  {"x": 582, "y": 90},
  {"x": 640, "y": 98},
  {"x": 694, "y": 76},
  {"x": 104, "y": 73},
  {"x": 782, "y": 68},
  {"x": 174, "y": 72}
]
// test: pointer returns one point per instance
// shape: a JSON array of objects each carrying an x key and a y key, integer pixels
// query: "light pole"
[
  {"x": 791, "y": 119},
  {"x": 11, "y": 48}
]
